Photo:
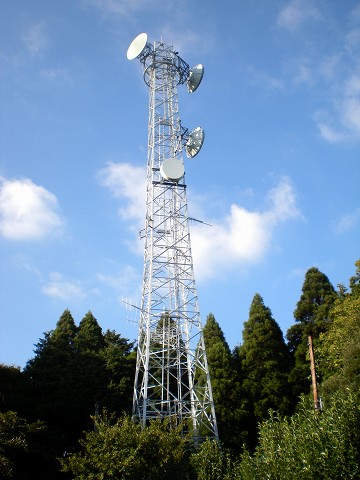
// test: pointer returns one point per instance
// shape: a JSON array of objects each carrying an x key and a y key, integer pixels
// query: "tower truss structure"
[{"x": 172, "y": 374}]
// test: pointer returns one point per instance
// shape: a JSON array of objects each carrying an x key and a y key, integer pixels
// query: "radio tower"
[{"x": 172, "y": 374}]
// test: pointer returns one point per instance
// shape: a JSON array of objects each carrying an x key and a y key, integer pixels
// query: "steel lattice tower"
[{"x": 172, "y": 375}]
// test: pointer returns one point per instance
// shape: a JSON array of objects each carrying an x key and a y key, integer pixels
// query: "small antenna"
[{"x": 200, "y": 221}]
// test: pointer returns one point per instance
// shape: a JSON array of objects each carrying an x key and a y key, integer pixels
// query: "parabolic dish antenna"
[
  {"x": 137, "y": 46},
  {"x": 195, "y": 77},
  {"x": 195, "y": 142},
  {"x": 172, "y": 169}
]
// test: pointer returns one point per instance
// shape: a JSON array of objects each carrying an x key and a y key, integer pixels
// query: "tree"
[
  {"x": 229, "y": 403},
  {"x": 339, "y": 347},
  {"x": 317, "y": 298},
  {"x": 120, "y": 448},
  {"x": 312, "y": 315},
  {"x": 89, "y": 337},
  {"x": 355, "y": 281},
  {"x": 16, "y": 445},
  {"x": 88, "y": 375},
  {"x": 265, "y": 364},
  {"x": 12, "y": 389},
  {"x": 65, "y": 331},
  {"x": 308, "y": 446},
  {"x": 119, "y": 359},
  {"x": 75, "y": 371}
]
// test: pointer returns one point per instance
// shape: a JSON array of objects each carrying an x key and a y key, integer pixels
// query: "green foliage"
[
  {"x": 317, "y": 298},
  {"x": 15, "y": 441},
  {"x": 339, "y": 348},
  {"x": 75, "y": 371},
  {"x": 212, "y": 463},
  {"x": 308, "y": 446},
  {"x": 11, "y": 388},
  {"x": 122, "y": 449},
  {"x": 313, "y": 316},
  {"x": 265, "y": 363},
  {"x": 355, "y": 281},
  {"x": 229, "y": 404},
  {"x": 89, "y": 337}
]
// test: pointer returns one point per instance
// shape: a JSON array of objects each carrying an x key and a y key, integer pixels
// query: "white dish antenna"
[
  {"x": 137, "y": 46},
  {"x": 195, "y": 142},
  {"x": 195, "y": 77},
  {"x": 172, "y": 169}
]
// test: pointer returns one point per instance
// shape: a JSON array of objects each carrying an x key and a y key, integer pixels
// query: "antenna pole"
[{"x": 172, "y": 375}]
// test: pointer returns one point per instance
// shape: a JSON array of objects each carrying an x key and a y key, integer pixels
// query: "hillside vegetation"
[{"x": 66, "y": 415}]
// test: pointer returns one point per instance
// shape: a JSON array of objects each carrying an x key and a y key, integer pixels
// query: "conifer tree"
[
  {"x": 65, "y": 331},
  {"x": 76, "y": 371},
  {"x": 225, "y": 386},
  {"x": 312, "y": 315},
  {"x": 50, "y": 376},
  {"x": 89, "y": 337},
  {"x": 265, "y": 364}
]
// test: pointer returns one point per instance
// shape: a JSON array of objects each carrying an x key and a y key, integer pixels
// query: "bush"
[
  {"x": 308, "y": 446},
  {"x": 121, "y": 449}
]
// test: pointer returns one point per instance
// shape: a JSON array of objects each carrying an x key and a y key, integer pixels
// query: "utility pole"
[{"x": 313, "y": 375}]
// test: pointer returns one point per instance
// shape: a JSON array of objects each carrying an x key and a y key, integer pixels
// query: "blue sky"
[{"x": 277, "y": 177}]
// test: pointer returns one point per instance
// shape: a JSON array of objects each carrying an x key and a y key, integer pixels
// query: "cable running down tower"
[{"x": 172, "y": 375}]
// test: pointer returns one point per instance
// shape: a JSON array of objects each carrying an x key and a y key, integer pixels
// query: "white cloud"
[
  {"x": 129, "y": 182},
  {"x": 331, "y": 134},
  {"x": 243, "y": 237},
  {"x": 295, "y": 13},
  {"x": 344, "y": 125},
  {"x": 348, "y": 221},
  {"x": 62, "y": 289},
  {"x": 35, "y": 39},
  {"x": 27, "y": 210}
]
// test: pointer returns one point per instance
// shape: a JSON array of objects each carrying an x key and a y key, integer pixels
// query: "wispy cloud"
[
  {"x": 265, "y": 80},
  {"x": 62, "y": 289},
  {"x": 60, "y": 76},
  {"x": 355, "y": 14},
  {"x": 340, "y": 121},
  {"x": 303, "y": 75},
  {"x": 127, "y": 182},
  {"x": 125, "y": 283},
  {"x": 343, "y": 124},
  {"x": 243, "y": 237},
  {"x": 186, "y": 40},
  {"x": 35, "y": 39},
  {"x": 296, "y": 13},
  {"x": 27, "y": 211},
  {"x": 330, "y": 66},
  {"x": 347, "y": 222},
  {"x": 117, "y": 7}
]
